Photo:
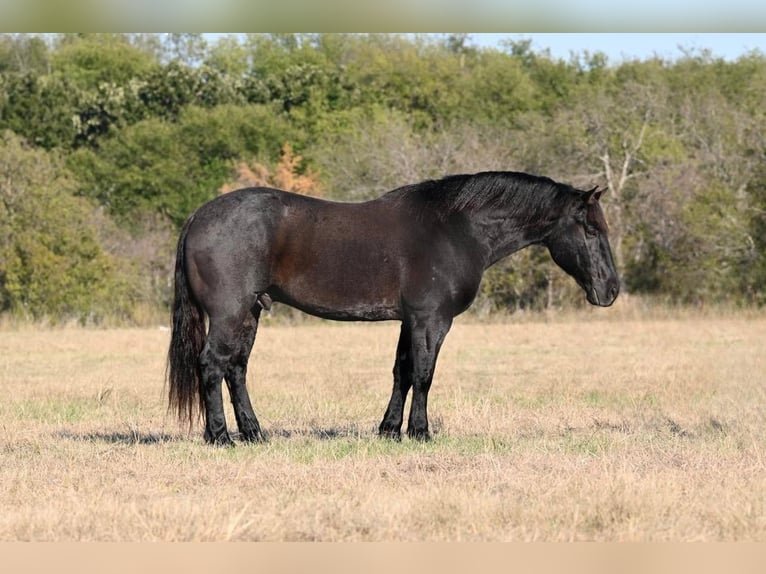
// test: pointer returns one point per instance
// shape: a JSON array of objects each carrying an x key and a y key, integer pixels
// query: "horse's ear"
[{"x": 593, "y": 195}]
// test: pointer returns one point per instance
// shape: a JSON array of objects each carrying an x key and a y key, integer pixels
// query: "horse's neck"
[{"x": 502, "y": 235}]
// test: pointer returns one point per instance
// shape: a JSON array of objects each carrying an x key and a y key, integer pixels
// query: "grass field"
[{"x": 589, "y": 427}]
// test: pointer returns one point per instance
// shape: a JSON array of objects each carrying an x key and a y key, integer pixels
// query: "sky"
[{"x": 621, "y": 46}]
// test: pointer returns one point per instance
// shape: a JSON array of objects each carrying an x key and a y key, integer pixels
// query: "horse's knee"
[
  {"x": 212, "y": 364},
  {"x": 236, "y": 371},
  {"x": 207, "y": 358}
]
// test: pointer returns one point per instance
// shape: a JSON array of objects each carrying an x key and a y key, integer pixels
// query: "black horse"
[{"x": 416, "y": 254}]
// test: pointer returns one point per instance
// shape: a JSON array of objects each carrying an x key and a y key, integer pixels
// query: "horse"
[{"x": 415, "y": 254}]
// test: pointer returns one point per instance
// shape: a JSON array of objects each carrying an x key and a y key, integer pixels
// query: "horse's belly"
[
  {"x": 342, "y": 295},
  {"x": 346, "y": 309}
]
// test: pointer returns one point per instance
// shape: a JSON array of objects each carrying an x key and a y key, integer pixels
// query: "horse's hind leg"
[
  {"x": 221, "y": 344},
  {"x": 212, "y": 362},
  {"x": 236, "y": 378}
]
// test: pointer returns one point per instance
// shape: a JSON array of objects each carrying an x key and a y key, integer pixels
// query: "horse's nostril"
[{"x": 613, "y": 292}]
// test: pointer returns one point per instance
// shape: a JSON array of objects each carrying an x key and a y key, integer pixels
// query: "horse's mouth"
[{"x": 603, "y": 300}]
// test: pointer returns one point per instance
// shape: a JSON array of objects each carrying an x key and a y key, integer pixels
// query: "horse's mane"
[{"x": 517, "y": 192}]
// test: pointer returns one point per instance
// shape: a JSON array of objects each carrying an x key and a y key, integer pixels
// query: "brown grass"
[{"x": 575, "y": 429}]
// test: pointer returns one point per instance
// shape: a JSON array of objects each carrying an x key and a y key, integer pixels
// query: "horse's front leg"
[
  {"x": 426, "y": 337},
  {"x": 391, "y": 426}
]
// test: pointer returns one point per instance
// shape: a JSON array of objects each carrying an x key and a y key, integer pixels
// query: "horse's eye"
[{"x": 591, "y": 231}]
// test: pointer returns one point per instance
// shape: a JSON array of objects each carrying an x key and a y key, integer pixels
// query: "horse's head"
[{"x": 579, "y": 245}]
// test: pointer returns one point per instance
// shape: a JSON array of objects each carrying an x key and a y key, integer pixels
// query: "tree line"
[{"x": 109, "y": 141}]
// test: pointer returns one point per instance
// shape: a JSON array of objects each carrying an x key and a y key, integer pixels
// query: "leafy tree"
[
  {"x": 23, "y": 53},
  {"x": 229, "y": 56},
  {"x": 187, "y": 48},
  {"x": 90, "y": 59},
  {"x": 39, "y": 108},
  {"x": 753, "y": 282},
  {"x": 169, "y": 168},
  {"x": 166, "y": 90},
  {"x": 497, "y": 88},
  {"x": 51, "y": 262}
]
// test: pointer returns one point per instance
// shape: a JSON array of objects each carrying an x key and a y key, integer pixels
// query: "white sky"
[{"x": 620, "y": 46}]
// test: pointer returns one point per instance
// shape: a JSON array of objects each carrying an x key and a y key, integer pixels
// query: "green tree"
[
  {"x": 39, "y": 108},
  {"x": 90, "y": 59},
  {"x": 171, "y": 168},
  {"x": 230, "y": 56},
  {"x": 51, "y": 261},
  {"x": 23, "y": 53},
  {"x": 497, "y": 87},
  {"x": 754, "y": 281},
  {"x": 188, "y": 49}
]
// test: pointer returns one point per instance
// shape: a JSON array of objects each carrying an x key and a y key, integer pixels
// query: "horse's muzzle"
[{"x": 604, "y": 295}]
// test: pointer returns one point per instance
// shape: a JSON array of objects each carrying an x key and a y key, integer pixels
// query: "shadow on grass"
[
  {"x": 130, "y": 437},
  {"x": 136, "y": 437},
  {"x": 351, "y": 431},
  {"x": 332, "y": 433}
]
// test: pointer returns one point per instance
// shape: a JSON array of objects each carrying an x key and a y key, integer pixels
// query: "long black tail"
[{"x": 186, "y": 341}]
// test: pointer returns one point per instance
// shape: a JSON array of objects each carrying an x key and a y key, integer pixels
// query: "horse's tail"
[{"x": 186, "y": 341}]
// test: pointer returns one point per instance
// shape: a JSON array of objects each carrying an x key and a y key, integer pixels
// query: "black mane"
[{"x": 516, "y": 191}]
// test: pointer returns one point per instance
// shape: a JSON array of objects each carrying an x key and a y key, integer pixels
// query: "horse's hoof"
[{"x": 223, "y": 440}]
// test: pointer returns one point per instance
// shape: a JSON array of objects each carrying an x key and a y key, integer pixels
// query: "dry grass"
[{"x": 578, "y": 429}]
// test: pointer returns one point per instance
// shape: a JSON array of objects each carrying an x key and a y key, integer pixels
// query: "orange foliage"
[{"x": 284, "y": 176}]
